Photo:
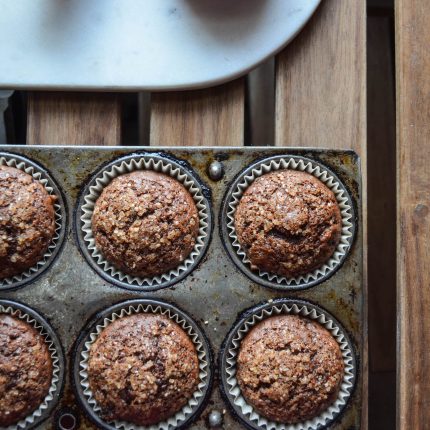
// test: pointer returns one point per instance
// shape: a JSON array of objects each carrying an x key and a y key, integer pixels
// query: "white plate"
[{"x": 141, "y": 44}]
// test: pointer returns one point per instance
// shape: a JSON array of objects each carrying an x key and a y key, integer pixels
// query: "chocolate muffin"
[
  {"x": 27, "y": 221},
  {"x": 288, "y": 223},
  {"x": 25, "y": 369},
  {"x": 289, "y": 369},
  {"x": 145, "y": 223},
  {"x": 142, "y": 369}
]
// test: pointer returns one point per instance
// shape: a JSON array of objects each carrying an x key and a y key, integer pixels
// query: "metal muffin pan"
[{"x": 214, "y": 294}]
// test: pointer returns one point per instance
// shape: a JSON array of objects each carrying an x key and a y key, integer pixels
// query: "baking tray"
[{"x": 70, "y": 293}]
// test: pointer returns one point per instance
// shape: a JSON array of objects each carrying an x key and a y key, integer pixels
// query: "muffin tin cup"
[
  {"x": 238, "y": 188},
  {"x": 194, "y": 406},
  {"x": 128, "y": 164},
  {"x": 42, "y": 176},
  {"x": 229, "y": 353},
  {"x": 30, "y": 316}
]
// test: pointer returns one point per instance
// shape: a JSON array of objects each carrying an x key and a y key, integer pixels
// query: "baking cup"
[
  {"x": 231, "y": 390},
  {"x": 41, "y": 175},
  {"x": 30, "y": 316},
  {"x": 92, "y": 191},
  {"x": 232, "y": 199},
  {"x": 194, "y": 406}
]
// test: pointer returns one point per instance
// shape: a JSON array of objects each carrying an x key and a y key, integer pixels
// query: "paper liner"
[
  {"x": 55, "y": 382},
  {"x": 308, "y": 311},
  {"x": 18, "y": 163},
  {"x": 190, "y": 408},
  {"x": 145, "y": 162},
  {"x": 325, "y": 176}
]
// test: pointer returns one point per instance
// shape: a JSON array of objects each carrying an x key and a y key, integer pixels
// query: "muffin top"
[
  {"x": 25, "y": 369},
  {"x": 145, "y": 223},
  {"x": 142, "y": 369},
  {"x": 288, "y": 223},
  {"x": 27, "y": 221},
  {"x": 289, "y": 368}
]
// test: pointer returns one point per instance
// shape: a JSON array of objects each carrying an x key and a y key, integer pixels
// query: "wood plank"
[
  {"x": 413, "y": 228},
  {"x": 321, "y": 100},
  {"x": 56, "y": 118},
  {"x": 321, "y": 81},
  {"x": 212, "y": 117}
]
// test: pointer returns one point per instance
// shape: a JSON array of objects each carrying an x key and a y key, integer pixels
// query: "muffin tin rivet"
[
  {"x": 67, "y": 421},
  {"x": 216, "y": 170},
  {"x": 215, "y": 418}
]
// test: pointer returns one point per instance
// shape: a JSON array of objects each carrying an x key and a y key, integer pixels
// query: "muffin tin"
[{"x": 70, "y": 293}]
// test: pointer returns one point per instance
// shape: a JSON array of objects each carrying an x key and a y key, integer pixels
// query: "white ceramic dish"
[{"x": 141, "y": 44}]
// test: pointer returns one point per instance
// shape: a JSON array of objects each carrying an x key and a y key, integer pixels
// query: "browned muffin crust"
[
  {"x": 27, "y": 221},
  {"x": 25, "y": 369},
  {"x": 145, "y": 223},
  {"x": 288, "y": 223},
  {"x": 289, "y": 368},
  {"x": 142, "y": 369}
]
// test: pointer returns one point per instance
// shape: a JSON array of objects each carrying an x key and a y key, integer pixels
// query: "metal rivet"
[
  {"x": 67, "y": 421},
  {"x": 216, "y": 170},
  {"x": 215, "y": 419}
]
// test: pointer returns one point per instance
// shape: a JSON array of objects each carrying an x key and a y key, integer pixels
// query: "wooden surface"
[
  {"x": 413, "y": 229},
  {"x": 73, "y": 119},
  {"x": 321, "y": 97},
  {"x": 213, "y": 117},
  {"x": 321, "y": 85}
]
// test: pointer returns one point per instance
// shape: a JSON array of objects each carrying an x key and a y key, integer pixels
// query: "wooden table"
[
  {"x": 413, "y": 230},
  {"x": 320, "y": 101}
]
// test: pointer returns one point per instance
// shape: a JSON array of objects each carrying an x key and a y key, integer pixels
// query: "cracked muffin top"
[
  {"x": 25, "y": 369},
  {"x": 142, "y": 369},
  {"x": 27, "y": 221},
  {"x": 288, "y": 223},
  {"x": 145, "y": 223},
  {"x": 289, "y": 369}
]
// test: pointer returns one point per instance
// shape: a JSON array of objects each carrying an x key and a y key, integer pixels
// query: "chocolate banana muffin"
[
  {"x": 289, "y": 368},
  {"x": 288, "y": 223},
  {"x": 27, "y": 221},
  {"x": 25, "y": 369},
  {"x": 145, "y": 223},
  {"x": 142, "y": 369}
]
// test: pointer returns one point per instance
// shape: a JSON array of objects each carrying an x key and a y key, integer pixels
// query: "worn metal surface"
[{"x": 70, "y": 292}]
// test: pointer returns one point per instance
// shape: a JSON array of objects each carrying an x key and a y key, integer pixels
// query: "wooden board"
[
  {"x": 212, "y": 117},
  {"x": 413, "y": 229},
  {"x": 73, "y": 119},
  {"x": 321, "y": 95},
  {"x": 321, "y": 81}
]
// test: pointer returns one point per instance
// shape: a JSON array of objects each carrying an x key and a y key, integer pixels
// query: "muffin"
[
  {"x": 288, "y": 223},
  {"x": 145, "y": 223},
  {"x": 25, "y": 369},
  {"x": 289, "y": 369},
  {"x": 27, "y": 221},
  {"x": 142, "y": 369}
]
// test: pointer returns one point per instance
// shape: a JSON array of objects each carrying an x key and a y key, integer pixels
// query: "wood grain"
[
  {"x": 321, "y": 100},
  {"x": 56, "y": 118},
  {"x": 212, "y": 117},
  {"x": 321, "y": 81},
  {"x": 413, "y": 205}
]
